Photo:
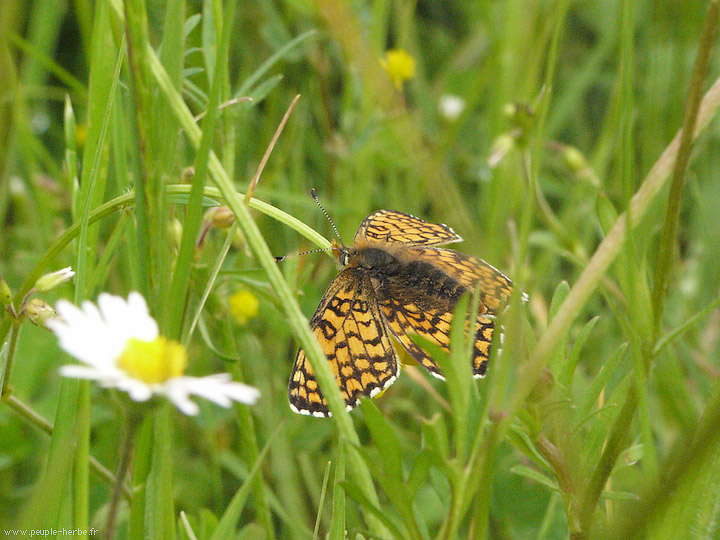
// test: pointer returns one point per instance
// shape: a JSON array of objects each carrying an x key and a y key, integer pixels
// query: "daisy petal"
[
  {"x": 80, "y": 335},
  {"x": 209, "y": 388},
  {"x": 187, "y": 406},
  {"x": 242, "y": 393},
  {"x": 137, "y": 390},
  {"x": 80, "y": 372},
  {"x": 177, "y": 392},
  {"x": 222, "y": 390},
  {"x": 130, "y": 317}
]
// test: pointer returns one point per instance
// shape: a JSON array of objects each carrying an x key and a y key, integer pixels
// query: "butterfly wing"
[
  {"x": 421, "y": 298},
  {"x": 352, "y": 334},
  {"x": 470, "y": 272},
  {"x": 392, "y": 226},
  {"x": 434, "y": 325}
]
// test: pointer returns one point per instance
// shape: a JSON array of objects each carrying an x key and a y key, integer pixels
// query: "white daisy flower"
[{"x": 119, "y": 346}]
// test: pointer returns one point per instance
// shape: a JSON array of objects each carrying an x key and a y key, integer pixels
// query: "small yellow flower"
[
  {"x": 399, "y": 65},
  {"x": 244, "y": 306}
]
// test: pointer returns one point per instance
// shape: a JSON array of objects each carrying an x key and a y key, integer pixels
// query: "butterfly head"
[{"x": 341, "y": 252}]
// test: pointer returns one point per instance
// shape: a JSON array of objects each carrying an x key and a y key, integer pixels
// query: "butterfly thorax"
[
  {"x": 373, "y": 260},
  {"x": 393, "y": 271}
]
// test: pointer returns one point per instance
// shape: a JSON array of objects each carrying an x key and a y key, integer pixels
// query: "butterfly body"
[{"x": 395, "y": 282}]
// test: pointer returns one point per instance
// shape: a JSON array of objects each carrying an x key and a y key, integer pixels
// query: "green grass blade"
[
  {"x": 337, "y": 522},
  {"x": 226, "y": 527}
]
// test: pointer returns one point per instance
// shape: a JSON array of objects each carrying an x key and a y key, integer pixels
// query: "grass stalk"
[{"x": 664, "y": 262}]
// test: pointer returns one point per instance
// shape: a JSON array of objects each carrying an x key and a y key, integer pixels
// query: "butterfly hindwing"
[
  {"x": 470, "y": 272},
  {"x": 429, "y": 315}
]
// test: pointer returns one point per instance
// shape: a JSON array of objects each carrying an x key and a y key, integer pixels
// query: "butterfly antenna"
[
  {"x": 283, "y": 257},
  {"x": 317, "y": 201},
  {"x": 334, "y": 246}
]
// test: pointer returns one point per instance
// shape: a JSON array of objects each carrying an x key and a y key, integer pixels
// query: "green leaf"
[
  {"x": 337, "y": 522},
  {"x": 160, "y": 500},
  {"x": 561, "y": 292},
  {"x": 568, "y": 368},
  {"x": 600, "y": 381},
  {"x": 184, "y": 198},
  {"x": 607, "y": 215},
  {"x": 435, "y": 435},
  {"x": 355, "y": 493},
  {"x": 419, "y": 473},
  {"x": 386, "y": 440},
  {"x": 263, "y": 89},
  {"x": 210, "y": 37},
  {"x": 250, "y": 82},
  {"x": 44, "y": 510},
  {"x": 536, "y": 476},
  {"x": 191, "y": 23},
  {"x": 252, "y": 531},
  {"x": 519, "y": 437},
  {"x": 556, "y": 361}
]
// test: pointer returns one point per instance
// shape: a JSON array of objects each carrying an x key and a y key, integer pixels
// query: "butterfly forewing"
[{"x": 391, "y": 226}]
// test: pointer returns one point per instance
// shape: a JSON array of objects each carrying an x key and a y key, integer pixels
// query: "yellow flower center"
[
  {"x": 400, "y": 66},
  {"x": 244, "y": 306},
  {"x": 153, "y": 361}
]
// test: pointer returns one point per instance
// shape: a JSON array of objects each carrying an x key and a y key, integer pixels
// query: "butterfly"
[{"x": 395, "y": 282}]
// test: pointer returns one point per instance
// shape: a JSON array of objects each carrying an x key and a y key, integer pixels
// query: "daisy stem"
[{"x": 132, "y": 422}]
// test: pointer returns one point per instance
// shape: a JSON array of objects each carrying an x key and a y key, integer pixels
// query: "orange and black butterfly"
[{"x": 395, "y": 282}]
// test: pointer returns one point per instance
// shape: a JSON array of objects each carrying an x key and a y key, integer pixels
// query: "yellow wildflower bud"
[
  {"x": 509, "y": 110},
  {"x": 578, "y": 164},
  {"x": 574, "y": 159},
  {"x": 174, "y": 233},
  {"x": 399, "y": 65},
  {"x": 244, "y": 306}
]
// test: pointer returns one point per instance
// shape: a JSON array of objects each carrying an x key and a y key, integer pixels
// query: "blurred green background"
[{"x": 549, "y": 111}]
